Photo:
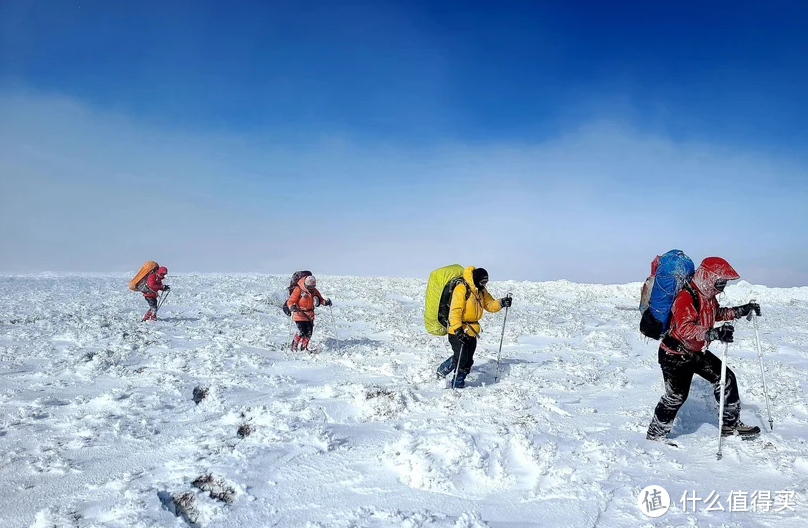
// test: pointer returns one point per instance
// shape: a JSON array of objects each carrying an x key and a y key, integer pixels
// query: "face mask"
[{"x": 720, "y": 284}]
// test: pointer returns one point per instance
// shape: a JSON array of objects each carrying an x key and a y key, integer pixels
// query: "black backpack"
[
  {"x": 446, "y": 299},
  {"x": 296, "y": 276}
]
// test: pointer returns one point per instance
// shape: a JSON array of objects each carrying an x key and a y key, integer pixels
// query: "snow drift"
[{"x": 204, "y": 418}]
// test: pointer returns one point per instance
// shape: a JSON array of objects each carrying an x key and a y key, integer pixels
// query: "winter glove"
[
  {"x": 166, "y": 288},
  {"x": 746, "y": 309},
  {"x": 327, "y": 302},
  {"x": 461, "y": 335},
  {"x": 505, "y": 302},
  {"x": 294, "y": 307},
  {"x": 722, "y": 333}
]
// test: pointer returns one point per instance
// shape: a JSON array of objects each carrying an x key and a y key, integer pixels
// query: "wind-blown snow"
[{"x": 98, "y": 424}]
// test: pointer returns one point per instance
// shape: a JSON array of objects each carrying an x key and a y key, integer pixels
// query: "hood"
[
  {"x": 710, "y": 270},
  {"x": 302, "y": 284},
  {"x": 469, "y": 278}
]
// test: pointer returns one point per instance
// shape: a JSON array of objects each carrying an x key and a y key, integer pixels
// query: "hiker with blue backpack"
[
  {"x": 469, "y": 298},
  {"x": 688, "y": 333}
]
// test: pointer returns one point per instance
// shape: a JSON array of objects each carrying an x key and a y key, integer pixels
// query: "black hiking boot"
[{"x": 747, "y": 432}]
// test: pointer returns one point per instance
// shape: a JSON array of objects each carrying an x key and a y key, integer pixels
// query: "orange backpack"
[{"x": 147, "y": 267}]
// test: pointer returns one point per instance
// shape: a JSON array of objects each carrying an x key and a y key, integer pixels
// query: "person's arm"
[
  {"x": 725, "y": 314},
  {"x": 294, "y": 297},
  {"x": 489, "y": 303},
  {"x": 323, "y": 300}
]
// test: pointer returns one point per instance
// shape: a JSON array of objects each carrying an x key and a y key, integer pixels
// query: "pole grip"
[{"x": 752, "y": 313}]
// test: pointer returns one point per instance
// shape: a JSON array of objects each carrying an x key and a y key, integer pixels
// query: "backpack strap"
[
  {"x": 694, "y": 295},
  {"x": 457, "y": 282},
  {"x": 144, "y": 282},
  {"x": 461, "y": 280},
  {"x": 465, "y": 284},
  {"x": 468, "y": 294}
]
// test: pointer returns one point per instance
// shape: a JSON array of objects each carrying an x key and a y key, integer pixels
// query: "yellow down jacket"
[{"x": 468, "y": 312}]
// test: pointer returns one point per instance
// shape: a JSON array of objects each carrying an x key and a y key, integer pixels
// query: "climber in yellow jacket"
[{"x": 469, "y": 298}]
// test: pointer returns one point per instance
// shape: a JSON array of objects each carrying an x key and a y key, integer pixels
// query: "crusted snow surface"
[{"x": 205, "y": 419}]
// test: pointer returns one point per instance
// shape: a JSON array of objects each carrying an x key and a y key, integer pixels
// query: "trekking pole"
[
  {"x": 457, "y": 368},
  {"x": 163, "y": 299},
  {"x": 753, "y": 317},
  {"x": 334, "y": 326},
  {"x": 289, "y": 333},
  {"x": 501, "y": 338},
  {"x": 721, "y": 402}
]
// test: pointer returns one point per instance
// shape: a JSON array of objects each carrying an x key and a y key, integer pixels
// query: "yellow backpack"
[{"x": 439, "y": 290}]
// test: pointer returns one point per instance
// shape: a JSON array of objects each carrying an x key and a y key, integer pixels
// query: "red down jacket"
[
  {"x": 155, "y": 282},
  {"x": 688, "y": 326}
]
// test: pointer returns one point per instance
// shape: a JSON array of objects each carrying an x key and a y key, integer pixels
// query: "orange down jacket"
[{"x": 304, "y": 298}]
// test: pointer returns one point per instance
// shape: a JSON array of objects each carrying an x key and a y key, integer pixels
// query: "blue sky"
[{"x": 541, "y": 140}]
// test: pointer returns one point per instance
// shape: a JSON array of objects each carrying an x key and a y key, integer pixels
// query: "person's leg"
[
  {"x": 151, "y": 313},
  {"x": 466, "y": 360},
  {"x": 709, "y": 368},
  {"x": 296, "y": 339},
  {"x": 449, "y": 365},
  {"x": 306, "y": 330},
  {"x": 677, "y": 371}
]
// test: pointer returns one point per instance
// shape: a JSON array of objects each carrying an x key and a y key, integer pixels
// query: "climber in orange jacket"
[{"x": 302, "y": 302}]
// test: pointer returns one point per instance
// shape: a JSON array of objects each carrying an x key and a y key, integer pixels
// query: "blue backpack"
[{"x": 669, "y": 274}]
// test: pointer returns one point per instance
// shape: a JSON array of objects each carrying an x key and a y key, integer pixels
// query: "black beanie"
[{"x": 479, "y": 274}]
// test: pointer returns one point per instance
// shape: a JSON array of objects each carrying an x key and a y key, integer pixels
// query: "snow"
[{"x": 98, "y": 424}]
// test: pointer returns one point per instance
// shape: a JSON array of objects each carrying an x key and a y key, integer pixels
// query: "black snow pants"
[
  {"x": 466, "y": 358},
  {"x": 305, "y": 328},
  {"x": 152, "y": 303},
  {"x": 678, "y": 371}
]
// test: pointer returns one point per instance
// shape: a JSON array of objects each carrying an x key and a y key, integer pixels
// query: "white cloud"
[{"x": 85, "y": 189}]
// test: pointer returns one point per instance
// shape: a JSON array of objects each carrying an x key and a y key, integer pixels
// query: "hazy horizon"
[{"x": 396, "y": 142}]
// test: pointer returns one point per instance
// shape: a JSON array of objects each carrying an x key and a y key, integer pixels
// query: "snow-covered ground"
[{"x": 99, "y": 427}]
